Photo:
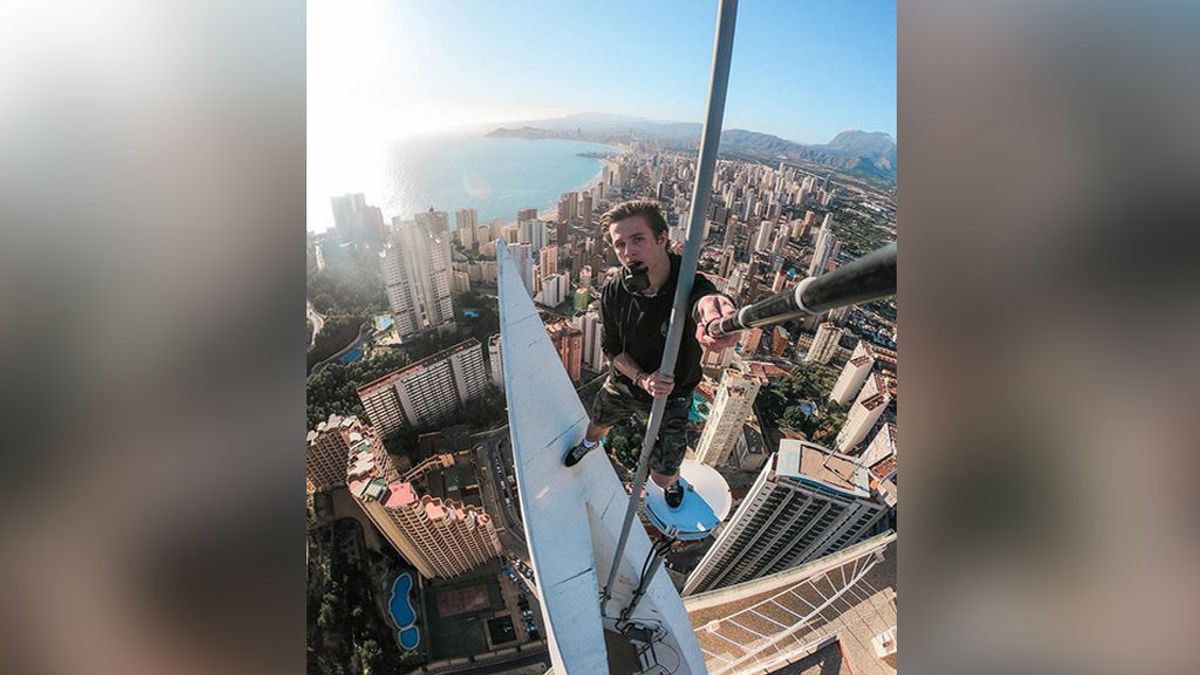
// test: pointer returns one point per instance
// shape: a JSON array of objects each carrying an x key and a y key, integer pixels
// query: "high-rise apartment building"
[
  {"x": 734, "y": 402},
  {"x": 555, "y": 288},
  {"x": 356, "y": 222},
  {"x": 568, "y": 342},
  {"x": 401, "y": 292},
  {"x": 762, "y": 240},
  {"x": 496, "y": 361},
  {"x": 526, "y": 214},
  {"x": 532, "y": 232},
  {"x": 876, "y": 394},
  {"x": 439, "y": 537},
  {"x": 781, "y": 279},
  {"x": 568, "y": 207},
  {"x": 466, "y": 219},
  {"x": 548, "y": 260},
  {"x": 823, "y": 249},
  {"x": 461, "y": 283},
  {"x": 522, "y": 257},
  {"x": 585, "y": 209},
  {"x": 433, "y": 222},
  {"x": 424, "y": 392},
  {"x": 881, "y": 447},
  {"x": 330, "y": 446},
  {"x": 804, "y": 504},
  {"x": 862, "y": 361},
  {"x": 825, "y": 344},
  {"x": 418, "y": 277},
  {"x": 593, "y": 353},
  {"x": 780, "y": 339}
]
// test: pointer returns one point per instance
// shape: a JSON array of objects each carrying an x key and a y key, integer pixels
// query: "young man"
[{"x": 635, "y": 312}]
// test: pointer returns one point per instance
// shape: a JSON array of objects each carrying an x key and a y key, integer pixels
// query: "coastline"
[{"x": 550, "y": 213}]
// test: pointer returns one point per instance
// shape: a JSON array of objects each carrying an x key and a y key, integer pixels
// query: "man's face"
[{"x": 633, "y": 240}]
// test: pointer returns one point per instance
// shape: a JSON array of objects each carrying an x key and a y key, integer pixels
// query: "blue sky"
[{"x": 801, "y": 70}]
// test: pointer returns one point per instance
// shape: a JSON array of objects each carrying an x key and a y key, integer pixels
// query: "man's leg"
[
  {"x": 671, "y": 446},
  {"x": 607, "y": 408},
  {"x": 595, "y": 432}
]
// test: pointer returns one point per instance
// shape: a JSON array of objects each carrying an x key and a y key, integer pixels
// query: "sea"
[{"x": 495, "y": 176}]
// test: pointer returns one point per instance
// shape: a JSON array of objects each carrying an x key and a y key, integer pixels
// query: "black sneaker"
[
  {"x": 576, "y": 453},
  {"x": 674, "y": 494}
]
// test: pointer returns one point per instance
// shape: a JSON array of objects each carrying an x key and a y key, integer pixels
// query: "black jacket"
[{"x": 638, "y": 325}]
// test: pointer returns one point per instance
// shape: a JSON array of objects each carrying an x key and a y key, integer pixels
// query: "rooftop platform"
[{"x": 777, "y": 623}]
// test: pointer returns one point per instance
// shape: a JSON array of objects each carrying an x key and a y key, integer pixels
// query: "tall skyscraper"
[
  {"x": 526, "y": 214},
  {"x": 466, "y": 219},
  {"x": 731, "y": 234},
  {"x": 522, "y": 256},
  {"x": 762, "y": 240},
  {"x": 825, "y": 344},
  {"x": 466, "y": 236},
  {"x": 854, "y": 373},
  {"x": 532, "y": 232},
  {"x": 401, "y": 292},
  {"x": 568, "y": 205},
  {"x": 548, "y": 260},
  {"x": 585, "y": 209},
  {"x": 804, "y": 505},
  {"x": 427, "y": 391},
  {"x": 347, "y": 216},
  {"x": 593, "y": 354},
  {"x": 781, "y": 279},
  {"x": 823, "y": 249},
  {"x": 418, "y": 277},
  {"x": 876, "y": 394},
  {"x": 496, "y": 361},
  {"x": 782, "y": 232},
  {"x": 568, "y": 342},
  {"x": 555, "y": 288},
  {"x": 881, "y": 447},
  {"x": 734, "y": 402},
  {"x": 439, "y": 537}
]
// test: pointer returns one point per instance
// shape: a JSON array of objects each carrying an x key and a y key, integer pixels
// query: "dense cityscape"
[{"x": 417, "y": 559}]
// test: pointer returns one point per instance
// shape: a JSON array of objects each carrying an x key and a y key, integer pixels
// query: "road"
[
  {"x": 493, "y": 464},
  {"x": 317, "y": 320}
]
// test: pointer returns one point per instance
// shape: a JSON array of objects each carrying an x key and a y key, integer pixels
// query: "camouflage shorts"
[{"x": 614, "y": 403}]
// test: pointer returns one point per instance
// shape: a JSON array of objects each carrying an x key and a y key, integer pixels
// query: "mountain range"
[{"x": 867, "y": 155}]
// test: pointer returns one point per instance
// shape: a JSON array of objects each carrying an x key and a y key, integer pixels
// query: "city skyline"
[{"x": 378, "y": 72}]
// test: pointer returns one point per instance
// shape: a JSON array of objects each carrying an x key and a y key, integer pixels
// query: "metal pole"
[
  {"x": 870, "y": 277},
  {"x": 710, "y": 138}
]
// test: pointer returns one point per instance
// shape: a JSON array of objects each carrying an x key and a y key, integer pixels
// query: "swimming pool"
[
  {"x": 700, "y": 408},
  {"x": 351, "y": 356},
  {"x": 403, "y": 614}
]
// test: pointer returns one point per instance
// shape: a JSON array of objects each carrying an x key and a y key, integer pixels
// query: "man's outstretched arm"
[{"x": 709, "y": 307}]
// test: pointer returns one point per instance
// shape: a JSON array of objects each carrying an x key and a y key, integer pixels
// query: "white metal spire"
[{"x": 573, "y": 516}]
